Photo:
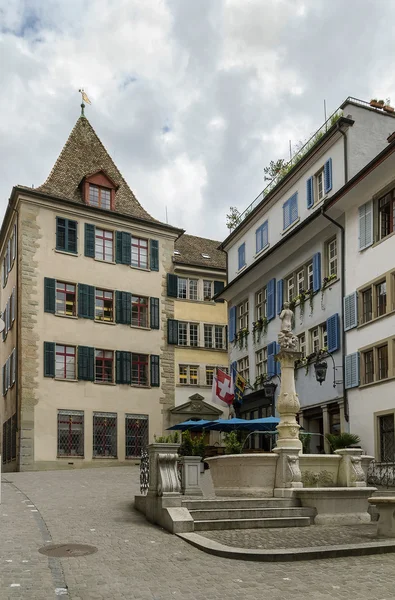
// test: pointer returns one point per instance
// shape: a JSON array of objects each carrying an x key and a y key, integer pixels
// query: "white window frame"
[
  {"x": 242, "y": 315},
  {"x": 261, "y": 362},
  {"x": 261, "y": 303},
  {"x": 188, "y": 369},
  {"x": 331, "y": 261},
  {"x": 243, "y": 367}
]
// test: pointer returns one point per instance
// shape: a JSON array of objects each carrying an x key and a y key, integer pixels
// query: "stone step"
[
  {"x": 221, "y": 503},
  {"x": 215, "y": 514},
  {"x": 252, "y": 523}
]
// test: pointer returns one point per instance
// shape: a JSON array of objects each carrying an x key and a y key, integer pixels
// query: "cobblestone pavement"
[
  {"x": 136, "y": 560},
  {"x": 295, "y": 537}
]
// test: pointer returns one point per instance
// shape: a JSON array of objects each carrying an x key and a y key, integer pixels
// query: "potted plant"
[
  {"x": 232, "y": 443},
  {"x": 381, "y": 103},
  {"x": 342, "y": 440},
  {"x": 374, "y": 102},
  {"x": 389, "y": 108}
]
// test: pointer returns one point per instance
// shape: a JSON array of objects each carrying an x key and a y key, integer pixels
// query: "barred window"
[
  {"x": 387, "y": 438},
  {"x": 136, "y": 435},
  {"x": 65, "y": 362},
  {"x": 70, "y": 433},
  {"x": 104, "y": 361},
  {"x": 105, "y": 435}
]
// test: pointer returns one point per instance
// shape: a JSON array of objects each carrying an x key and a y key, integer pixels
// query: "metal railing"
[
  {"x": 144, "y": 473},
  {"x": 381, "y": 474}
]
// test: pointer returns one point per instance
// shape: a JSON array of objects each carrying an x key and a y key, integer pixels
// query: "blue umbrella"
[
  {"x": 190, "y": 425},
  {"x": 227, "y": 425},
  {"x": 265, "y": 424}
]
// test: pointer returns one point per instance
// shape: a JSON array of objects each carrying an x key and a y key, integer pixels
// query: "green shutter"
[
  {"x": 86, "y": 363},
  {"x": 172, "y": 331},
  {"x": 49, "y": 359},
  {"x": 49, "y": 295},
  {"x": 123, "y": 367},
  {"x": 155, "y": 371},
  {"x": 123, "y": 307},
  {"x": 86, "y": 301},
  {"x": 123, "y": 248},
  {"x": 218, "y": 287},
  {"x": 172, "y": 285},
  {"x": 89, "y": 240},
  {"x": 71, "y": 236},
  {"x": 154, "y": 255},
  {"x": 154, "y": 313}
]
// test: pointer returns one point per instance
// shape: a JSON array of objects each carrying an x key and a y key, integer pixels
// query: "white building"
[{"x": 285, "y": 246}]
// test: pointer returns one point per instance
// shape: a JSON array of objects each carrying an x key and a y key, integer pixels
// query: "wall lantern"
[{"x": 320, "y": 371}]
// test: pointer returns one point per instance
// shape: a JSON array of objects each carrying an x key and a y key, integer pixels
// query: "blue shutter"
[
  {"x": 332, "y": 330},
  {"x": 233, "y": 370},
  {"x": 328, "y": 176},
  {"x": 350, "y": 308},
  {"x": 278, "y": 364},
  {"x": 280, "y": 287},
  {"x": 154, "y": 255},
  {"x": 261, "y": 236},
  {"x": 316, "y": 272},
  {"x": 351, "y": 370},
  {"x": 271, "y": 299},
  {"x": 271, "y": 362},
  {"x": 286, "y": 214},
  {"x": 294, "y": 207},
  {"x": 242, "y": 255},
  {"x": 232, "y": 323},
  {"x": 365, "y": 225},
  {"x": 172, "y": 285},
  {"x": 310, "y": 192},
  {"x": 89, "y": 240}
]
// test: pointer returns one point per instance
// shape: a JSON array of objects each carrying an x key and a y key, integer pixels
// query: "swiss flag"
[{"x": 223, "y": 389}]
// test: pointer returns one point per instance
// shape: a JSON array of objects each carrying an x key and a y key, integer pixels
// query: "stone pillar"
[
  {"x": 343, "y": 424},
  {"x": 190, "y": 475},
  {"x": 288, "y": 402},
  {"x": 163, "y": 476},
  {"x": 351, "y": 472},
  {"x": 326, "y": 428}
]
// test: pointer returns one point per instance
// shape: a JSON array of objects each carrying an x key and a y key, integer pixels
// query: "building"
[
  {"x": 285, "y": 247},
  {"x": 198, "y": 331},
  {"x": 88, "y": 377},
  {"x": 366, "y": 207}
]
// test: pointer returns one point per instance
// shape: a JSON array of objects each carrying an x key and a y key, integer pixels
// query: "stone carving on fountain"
[{"x": 286, "y": 339}]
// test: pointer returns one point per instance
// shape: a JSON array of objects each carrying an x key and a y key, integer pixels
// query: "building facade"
[
  {"x": 88, "y": 377},
  {"x": 286, "y": 248},
  {"x": 198, "y": 333}
]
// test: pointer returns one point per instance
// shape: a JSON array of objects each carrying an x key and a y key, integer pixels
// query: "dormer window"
[
  {"x": 99, "y": 196},
  {"x": 99, "y": 190}
]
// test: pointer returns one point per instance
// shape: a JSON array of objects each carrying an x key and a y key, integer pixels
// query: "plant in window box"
[
  {"x": 374, "y": 102},
  {"x": 258, "y": 327},
  {"x": 260, "y": 380},
  {"x": 389, "y": 108},
  {"x": 310, "y": 296},
  {"x": 381, "y": 103},
  {"x": 241, "y": 338}
]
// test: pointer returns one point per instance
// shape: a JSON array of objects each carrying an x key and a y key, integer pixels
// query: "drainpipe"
[{"x": 345, "y": 151}]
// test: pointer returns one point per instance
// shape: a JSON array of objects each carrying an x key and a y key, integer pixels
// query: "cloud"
[{"x": 191, "y": 99}]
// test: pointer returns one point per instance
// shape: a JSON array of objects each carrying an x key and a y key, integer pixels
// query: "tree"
[
  {"x": 274, "y": 169},
  {"x": 233, "y": 218}
]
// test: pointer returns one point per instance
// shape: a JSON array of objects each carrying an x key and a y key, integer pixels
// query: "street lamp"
[
  {"x": 321, "y": 367},
  {"x": 270, "y": 389}
]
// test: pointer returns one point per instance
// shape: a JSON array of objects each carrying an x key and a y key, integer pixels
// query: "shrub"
[
  {"x": 342, "y": 440},
  {"x": 232, "y": 443}
]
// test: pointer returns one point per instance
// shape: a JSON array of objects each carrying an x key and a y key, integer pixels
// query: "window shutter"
[
  {"x": 155, "y": 371},
  {"x": 123, "y": 248},
  {"x": 316, "y": 272},
  {"x": 123, "y": 307},
  {"x": 172, "y": 331},
  {"x": 71, "y": 236},
  {"x": 154, "y": 255},
  {"x": 60, "y": 234},
  {"x": 3, "y": 332},
  {"x": 277, "y": 362},
  {"x": 286, "y": 215},
  {"x": 351, "y": 370},
  {"x": 49, "y": 295},
  {"x": 154, "y": 313},
  {"x": 328, "y": 175},
  {"x": 4, "y": 380},
  {"x": 294, "y": 207},
  {"x": 89, "y": 240},
  {"x": 350, "y": 305},
  {"x": 271, "y": 362},
  {"x": 86, "y": 301},
  {"x": 7, "y": 373},
  {"x": 279, "y": 295},
  {"x": 232, "y": 323},
  {"x": 218, "y": 287},
  {"x": 13, "y": 304},
  {"x": 310, "y": 192},
  {"x": 233, "y": 370},
  {"x": 271, "y": 299},
  {"x": 123, "y": 367},
  {"x": 365, "y": 225},
  {"x": 332, "y": 330},
  {"x": 13, "y": 375},
  {"x": 86, "y": 363},
  {"x": 172, "y": 285},
  {"x": 49, "y": 359},
  {"x": 242, "y": 255}
]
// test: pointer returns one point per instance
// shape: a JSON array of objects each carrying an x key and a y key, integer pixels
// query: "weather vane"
[{"x": 84, "y": 98}]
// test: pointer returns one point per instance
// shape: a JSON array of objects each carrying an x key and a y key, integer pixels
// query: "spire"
[{"x": 85, "y": 98}]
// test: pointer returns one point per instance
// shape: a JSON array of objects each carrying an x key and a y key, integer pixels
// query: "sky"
[{"x": 191, "y": 98}]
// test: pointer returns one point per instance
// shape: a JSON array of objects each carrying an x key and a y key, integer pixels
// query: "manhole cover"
[{"x": 64, "y": 550}]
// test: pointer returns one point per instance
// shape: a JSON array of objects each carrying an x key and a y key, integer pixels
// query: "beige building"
[
  {"x": 198, "y": 331},
  {"x": 88, "y": 376}
]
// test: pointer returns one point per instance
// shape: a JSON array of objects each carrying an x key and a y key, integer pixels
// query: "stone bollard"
[
  {"x": 190, "y": 475},
  {"x": 163, "y": 476},
  {"x": 351, "y": 471},
  {"x": 386, "y": 509}
]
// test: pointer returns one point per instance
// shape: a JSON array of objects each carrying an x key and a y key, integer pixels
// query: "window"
[
  {"x": 261, "y": 237},
  {"x": 242, "y": 315},
  {"x": 104, "y": 245},
  {"x": 136, "y": 435},
  {"x": 193, "y": 334},
  {"x": 261, "y": 362},
  {"x": 70, "y": 433},
  {"x": 261, "y": 304},
  {"x": 290, "y": 211},
  {"x": 310, "y": 276},
  {"x": 290, "y": 288},
  {"x": 139, "y": 311},
  {"x": 367, "y": 308},
  {"x": 99, "y": 196},
  {"x": 66, "y": 235},
  {"x": 139, "y": 253},
  {"x": 302, "y": 344},
  {"x": 242, "y": 255},
  {"x": 104, "y": 305},
  {"x": 104, "y": 362},
  {"x": 65, "y": 362},
  {"x": 207, "y": 289},
  {"x": 210, "y": 375},
  {"x": 66, "y": 300},
  {"x": 386, "y": 438},
  {"x": 188, "y": 375},
  {"x": 243, "y": 368},
  {"x": 214, "y": 336},
  {"x": 382, "y": 360},
  {"x": 381, "y": 298},
  {"x": 375, "y": 365},
  {"x": 188, "y": 334},
  {"x": 369, "y": 366},
  {"x": 105, "y": 435},
  {"x": 9, "y": 440},
  {"x": 331, "y": 255},
  {"x": 300, "y": 281},
  {"x": 385, "y": 207},
  {"x": 187, "y": 288},
  {"x": 140, "y": 369},
  {"x": 208, "y": 336},
  {"x": 373, "y": 300},
  {"x": 319, "y": 178},
  {"x": 318, "y": 338}
]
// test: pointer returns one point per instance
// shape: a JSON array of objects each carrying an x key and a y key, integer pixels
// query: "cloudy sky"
[{"x": 192, "y": 98}]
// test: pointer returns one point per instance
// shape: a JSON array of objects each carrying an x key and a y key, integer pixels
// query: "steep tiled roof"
[
  {"x": 82, "y": 155},
  {"x": 192, "y": 249}
]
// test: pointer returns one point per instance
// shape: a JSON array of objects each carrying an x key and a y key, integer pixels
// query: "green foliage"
[
  {"x": 321, "y": 479},
  {"x": 305, "y": 438},
  {"x": 192, "y": 446},
  {"x": 274, "y": 169},
  {"x": 342, "y": 440},
  {"x": 172, "y": 438},
  {"x": 232, "y": 443},
  {"x": 233, "y": 218}
]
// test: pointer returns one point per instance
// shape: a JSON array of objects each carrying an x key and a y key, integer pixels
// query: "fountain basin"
[{"x": 243, "y": 475}]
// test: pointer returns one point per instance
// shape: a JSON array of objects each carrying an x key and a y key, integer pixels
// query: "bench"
[{"x": 385, "y": 506}]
